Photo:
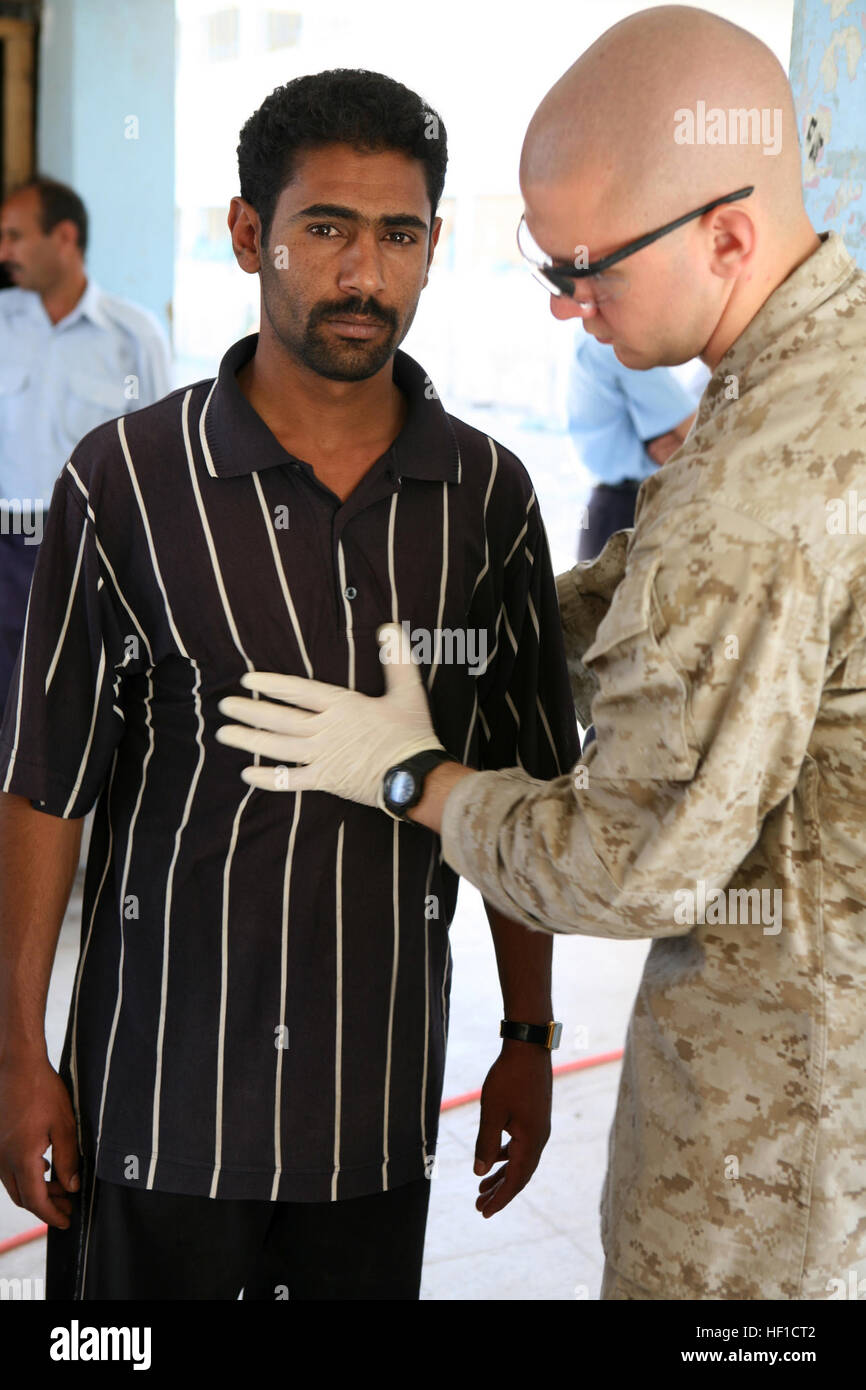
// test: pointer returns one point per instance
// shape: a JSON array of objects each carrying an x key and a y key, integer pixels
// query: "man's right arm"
[{"x": 38, "y": 858}]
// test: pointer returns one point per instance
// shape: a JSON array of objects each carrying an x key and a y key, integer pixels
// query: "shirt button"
[{"x": 351, "y": 592}]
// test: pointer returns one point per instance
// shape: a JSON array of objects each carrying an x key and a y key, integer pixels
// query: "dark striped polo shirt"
[{"x": 261, "y": 1004}]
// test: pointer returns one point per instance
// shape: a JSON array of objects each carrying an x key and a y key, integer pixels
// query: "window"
[
  {"x": 282, "y": 29},
  {"x": 222, "y": 35}
]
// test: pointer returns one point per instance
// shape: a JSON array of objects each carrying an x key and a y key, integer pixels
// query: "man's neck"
[
  {"x": 741, "y": 309},
  {"x": 339, "y": 427},
  {"x": 61, "y": 298}
]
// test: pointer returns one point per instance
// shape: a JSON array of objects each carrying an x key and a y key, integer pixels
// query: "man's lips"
[{"x": 354, "y": 327}]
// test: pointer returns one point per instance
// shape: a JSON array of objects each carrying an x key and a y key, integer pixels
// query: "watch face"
[{"x": 401, "y": 787}]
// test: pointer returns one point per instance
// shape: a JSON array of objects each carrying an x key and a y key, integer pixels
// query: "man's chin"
[{"x": 354, "y": 362}]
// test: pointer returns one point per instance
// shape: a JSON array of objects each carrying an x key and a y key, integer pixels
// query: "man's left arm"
[
  {"x": 516, "y": 1096},
  {"x": 527, "y": 718}
]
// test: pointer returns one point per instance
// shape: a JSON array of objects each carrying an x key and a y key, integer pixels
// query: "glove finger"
[
  {"x": 264, "y": 714},
  {"x": 294, "y": 690},
  {"x": 280, "y": 747},
  {"x": 395, "y": 654},
  {"x": 278, "y": 779}
]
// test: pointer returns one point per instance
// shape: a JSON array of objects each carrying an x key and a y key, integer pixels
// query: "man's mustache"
[{"x": 364, "y": 308}]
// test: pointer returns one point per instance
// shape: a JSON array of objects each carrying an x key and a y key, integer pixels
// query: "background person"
[
  {"x": 624, "y": 424},
  {"x": 71, "y": 356}
]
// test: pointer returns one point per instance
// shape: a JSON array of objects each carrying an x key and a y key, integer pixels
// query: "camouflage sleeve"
[
  {"x": 710, "y": 664},
  {"x": 584, "y": 595}
]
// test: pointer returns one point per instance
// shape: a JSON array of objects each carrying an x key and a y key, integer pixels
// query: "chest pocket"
[
  {"x": 89, "y": 402},
  {"x": 640, "y": 712}
]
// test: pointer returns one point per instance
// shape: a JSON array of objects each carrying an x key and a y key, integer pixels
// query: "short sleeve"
[
  {"x": 526, "y": 709},
  {"x": 63, "y": 717}
]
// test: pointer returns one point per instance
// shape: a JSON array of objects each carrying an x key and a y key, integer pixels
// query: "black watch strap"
[
  {"x": 547, "y": 1034},
  {"x": 414, "y": 769}
]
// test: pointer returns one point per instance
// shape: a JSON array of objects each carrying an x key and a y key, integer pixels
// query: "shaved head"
[{"x": 668, "y": 110}]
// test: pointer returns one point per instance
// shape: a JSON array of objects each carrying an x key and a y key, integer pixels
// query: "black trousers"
[
  {"x": 610, "y": 508},
  {"x": 136, "y": 1244}
]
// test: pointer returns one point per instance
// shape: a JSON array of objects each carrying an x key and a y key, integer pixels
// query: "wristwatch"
[
  {"x": 403, "y": 785},
  {"x": 547, "y": 1034}
]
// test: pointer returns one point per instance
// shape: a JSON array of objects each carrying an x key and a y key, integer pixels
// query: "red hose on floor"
[
  {"x": 36, "y": 1232},
  {"x": 597, "y": 1061}
]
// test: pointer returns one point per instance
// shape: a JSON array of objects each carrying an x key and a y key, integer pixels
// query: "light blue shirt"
[
  {"x": 613, "y": 410},
  {"x": 107, "y": 357}
]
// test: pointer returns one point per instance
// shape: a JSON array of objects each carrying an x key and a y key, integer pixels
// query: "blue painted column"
[{"x": 105, "y": 125}]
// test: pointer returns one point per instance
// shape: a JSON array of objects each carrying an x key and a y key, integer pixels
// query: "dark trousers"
[
  {"x": 610, "y": 508},
  {"x": 136, "y": 1244},
  {"x": 16, "y": 570}
]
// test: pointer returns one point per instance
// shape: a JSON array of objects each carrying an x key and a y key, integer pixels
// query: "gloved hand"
[{"x": 347, "y": 741}]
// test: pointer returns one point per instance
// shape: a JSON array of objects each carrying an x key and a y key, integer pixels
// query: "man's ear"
[
  {"x": 245, "y": 227},
  {"x": 434, "y": 237},
  {"x": 732, "y": 240}
]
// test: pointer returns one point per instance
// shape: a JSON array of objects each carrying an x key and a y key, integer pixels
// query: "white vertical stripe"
[
  {"x": 392, "y": 520},
  {"x": 347, "y": 608},
  {"x": 284, "y": 960},
  {"x": 543, "y": 718},
  {"x": 494, "y": 464},
  {"x": 166, "y": 930},
  {"x": 395, "y": 903},
  {"x": 224, "y": 989},
  {"x": 444, "y": 978},
  {"x": 443, "y": 584},
  {"x": 426, "y": 1001},
  {"x": 148, "y": 702},
  {"x": 338, "y": 1040},
  {"x": 521, "y": 533},
  {"x": 101, "y": 676},
  {"x": 281, "y": 576},
  {"x": 73, "y": 1044},
  {"x": 19, "y": 695},
  {"x": 205, "y": 447},
  {"x": 205, "y": 526},
  {"x": 72, "y": 596}
]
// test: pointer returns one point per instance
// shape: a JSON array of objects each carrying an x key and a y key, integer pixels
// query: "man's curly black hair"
[{"x": 347, "y": 106}]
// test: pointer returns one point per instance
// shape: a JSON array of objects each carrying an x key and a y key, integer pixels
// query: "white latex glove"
[{"x": 347, "y": 741}]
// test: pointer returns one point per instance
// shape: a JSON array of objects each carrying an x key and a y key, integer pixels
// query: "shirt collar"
[
  {"x": 237, "y": 440},
  {"x": 813, "y": 282},
  {"x": 89, "y": 306}
]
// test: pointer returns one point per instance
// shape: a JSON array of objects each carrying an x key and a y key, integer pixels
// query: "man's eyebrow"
[{"x": 391, "y": 219}]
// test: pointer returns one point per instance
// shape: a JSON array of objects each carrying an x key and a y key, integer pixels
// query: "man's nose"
[
  {"x": 361, "y": 267},
  {"x": 562, "y": 306}
]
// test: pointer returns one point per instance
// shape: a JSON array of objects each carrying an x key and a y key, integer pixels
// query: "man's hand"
[
  {"x": 347, "y": 741},
  {"x": 516, "y": 1098},
  {"x": 35, "y": 1112}
]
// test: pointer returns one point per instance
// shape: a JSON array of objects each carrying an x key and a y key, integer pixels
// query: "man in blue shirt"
[
  {"x": 624, "y": 423},
  {"x": 71, "y": 357}
]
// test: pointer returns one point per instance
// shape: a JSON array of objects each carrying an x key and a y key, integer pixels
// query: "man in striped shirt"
[{"x": 253, "y": 1066}]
